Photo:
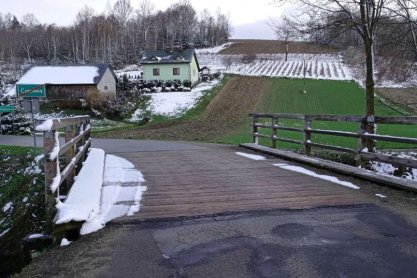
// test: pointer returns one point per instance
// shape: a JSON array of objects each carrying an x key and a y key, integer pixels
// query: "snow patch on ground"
[
  {"x": 251, "y": 156},
  {"x": 380, "y": 196},
  {"x": 174, "y": 104},
  {"x": 215, "y": 49},
  {"x": 315, "y": 175},
  {"x": 65, "y": 242},
  {"x": 310, "y": 66},
  {"x": 387, "y": 169},
  {"x": 7, "y": 207},
  {"x": 121, "y": 194}
]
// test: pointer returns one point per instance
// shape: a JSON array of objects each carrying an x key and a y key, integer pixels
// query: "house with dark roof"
[
  {"x": 168, "y": 65},
  {"x": 64, "y": 82}
]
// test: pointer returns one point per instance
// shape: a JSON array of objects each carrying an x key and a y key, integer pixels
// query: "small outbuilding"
[
  {"x": 168, "y": 65},
  {"x": 66, "y": 82}
]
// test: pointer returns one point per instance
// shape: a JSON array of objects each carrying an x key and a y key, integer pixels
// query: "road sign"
[
  {"x": 6, "y": 108},
  {"x": 31, "y": 90},
  {"x": 31, "y": 105}
]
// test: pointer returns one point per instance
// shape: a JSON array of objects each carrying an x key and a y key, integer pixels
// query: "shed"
[
  {"x": 168, "y": 65},
  {"x": 71, "y": 81}
]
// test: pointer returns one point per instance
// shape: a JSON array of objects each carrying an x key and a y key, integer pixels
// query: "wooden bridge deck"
[{"x": 213, "y": 179}]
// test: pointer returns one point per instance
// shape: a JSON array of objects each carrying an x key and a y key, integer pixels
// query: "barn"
[
  {"x": 168, "y": 65},
  {"x": 70, "y": 82}
]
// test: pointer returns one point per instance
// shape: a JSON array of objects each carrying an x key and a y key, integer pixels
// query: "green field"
[{"x": 322, "y": 97}]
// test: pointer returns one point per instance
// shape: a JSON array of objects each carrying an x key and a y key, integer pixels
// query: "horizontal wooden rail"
[
  {"x": 260, "y": 121},
  {"x": 77, "y": 142}
]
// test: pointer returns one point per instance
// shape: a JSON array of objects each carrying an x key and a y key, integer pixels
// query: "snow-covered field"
[
  {"x": 173, "y": 104},
  {"x": 320, "y": 66}
]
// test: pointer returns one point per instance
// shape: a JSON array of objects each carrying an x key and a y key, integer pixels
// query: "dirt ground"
[
  {"x": 225, "y": 113},
  {"x": 274, "y": 47},
  {"x": 406, "y": 98}
]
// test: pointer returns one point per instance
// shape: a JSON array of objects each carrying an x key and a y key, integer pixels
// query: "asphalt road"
[{"x": 357, "y": 241}]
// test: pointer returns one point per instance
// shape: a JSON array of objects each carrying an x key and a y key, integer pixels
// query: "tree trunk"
[{"x": 370, "y": 92}]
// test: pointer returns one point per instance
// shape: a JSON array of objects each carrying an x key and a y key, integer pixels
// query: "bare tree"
[
  {"x": 362, "y": 16},
  {"x": 284, "y": 31}
]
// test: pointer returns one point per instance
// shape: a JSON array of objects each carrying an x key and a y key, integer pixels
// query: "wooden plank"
[
  {"x": 387, "y": 138},
  {"x": 396, "y": 120},
  {"x": 330, "y": 147},
  {"x": 337, "y": 167},
  {"x": 337, "y": 118},
  {"x": 64, "y": 122},
  {"x": 335, "y": 133}
]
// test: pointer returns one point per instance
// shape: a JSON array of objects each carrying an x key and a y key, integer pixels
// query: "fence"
[
  {"x": 275, "y": 125},
  {"x": 77, "y": 143}
]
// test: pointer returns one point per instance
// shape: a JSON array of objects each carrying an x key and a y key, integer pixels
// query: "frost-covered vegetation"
[{"x": 22, "y": 210}]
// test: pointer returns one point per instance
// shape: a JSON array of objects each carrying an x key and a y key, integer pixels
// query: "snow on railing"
[{"x": 77, "y": 143}]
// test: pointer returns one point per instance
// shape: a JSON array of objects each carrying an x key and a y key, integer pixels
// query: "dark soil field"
[
  {"x": 225, "y": 114},
  {"x": 406, "y": 98},
  {"x": 274, "y": 47}
]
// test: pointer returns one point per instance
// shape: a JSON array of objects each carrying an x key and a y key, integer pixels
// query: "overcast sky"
[{"x": 248, "y": 17}]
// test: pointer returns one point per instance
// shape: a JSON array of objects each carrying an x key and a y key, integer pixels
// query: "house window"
[
  {"x": 156, "y": 72},
  {"x": 106, "y": 88},
  {"x": 176, "y": 71}
]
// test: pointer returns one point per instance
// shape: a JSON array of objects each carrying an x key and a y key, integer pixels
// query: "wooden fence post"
[
  {"x": 307, "y": 134},
  {"x": 69, "y": 155},
  {"x": 274, "y": 122},
  {"x": 255, "y": 139},
  {"x": 50, "y": 168},
  {"x": 361, "y": 143}
]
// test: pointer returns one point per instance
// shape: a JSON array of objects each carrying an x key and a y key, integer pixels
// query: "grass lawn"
[{"x": 322, "y": 97}]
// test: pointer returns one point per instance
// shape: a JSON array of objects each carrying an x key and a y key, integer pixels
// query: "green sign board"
[
  {"x": 30, "y": 90},
  {"x": 6, "y": 108}
]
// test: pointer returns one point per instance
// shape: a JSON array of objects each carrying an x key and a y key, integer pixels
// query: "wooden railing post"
[
  {"x": 255, "y": 139},
  {"x": 69, "y": 155},
  {"x": 307, "y": 134},
  {"x": 361, "y": 143},
  {"x": 50, "y": 169},
  {"x": 274, "y": 122}
]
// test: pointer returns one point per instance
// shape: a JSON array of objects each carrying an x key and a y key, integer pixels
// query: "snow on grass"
[
  {"x": 215, "y": 49},
  {"x": 8, "y": 207},
  {"x": 315, "y": 175},
  {"x": 387, "y": 169},
  {"x": 316, "y": 66},
  {"x": 174, "y": 104},
  {"x": 4, "y": 232},
  {"x": 121, "y": 194},
  {"x": 83, "y": 201},
  {"x": 380, "y": 196},
  {"x": 251, "y": 156}
]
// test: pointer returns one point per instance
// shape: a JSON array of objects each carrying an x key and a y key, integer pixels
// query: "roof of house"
[
  {"x": 184, "y": 56},
  {"x": 65, "y": 74}
]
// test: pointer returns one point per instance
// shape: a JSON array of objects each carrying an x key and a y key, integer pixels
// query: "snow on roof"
[{"x": 60, "y": 75}]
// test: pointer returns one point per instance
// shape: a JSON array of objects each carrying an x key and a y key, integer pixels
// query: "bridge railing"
[
  {"x": 275, "y": 123},
  {"x": 63, "y": 162}
]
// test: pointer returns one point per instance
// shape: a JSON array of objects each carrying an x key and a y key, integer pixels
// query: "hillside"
[
  {"x": 275, "y": 47},
  {"x": 225, "y": 118}
]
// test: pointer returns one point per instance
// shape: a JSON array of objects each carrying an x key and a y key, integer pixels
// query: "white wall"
[{"x": 107, "y": 85}]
